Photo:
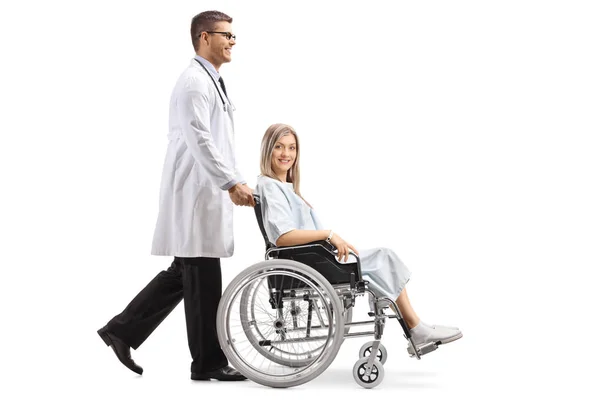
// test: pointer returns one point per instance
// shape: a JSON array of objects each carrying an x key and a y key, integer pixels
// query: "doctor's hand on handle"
[
  {"x": 241, "y": 195},
  {"x": 342, "y": 247}
]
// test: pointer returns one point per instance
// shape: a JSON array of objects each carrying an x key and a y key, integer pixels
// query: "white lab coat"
[{"x": 195, "y": 217}]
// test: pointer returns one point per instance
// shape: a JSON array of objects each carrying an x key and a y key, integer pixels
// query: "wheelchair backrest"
[{"x": 258, "y": 213}]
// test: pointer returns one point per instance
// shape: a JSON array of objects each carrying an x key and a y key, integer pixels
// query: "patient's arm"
[{"x": 298, "y": 237}]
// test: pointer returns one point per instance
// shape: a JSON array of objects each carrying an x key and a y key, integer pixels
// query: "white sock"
[{"x": 421, "y": 330}]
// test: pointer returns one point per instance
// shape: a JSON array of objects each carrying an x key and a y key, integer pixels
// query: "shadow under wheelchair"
[
  {"x": 282, "y": 321},
  {"x": 338, "y": 377}
]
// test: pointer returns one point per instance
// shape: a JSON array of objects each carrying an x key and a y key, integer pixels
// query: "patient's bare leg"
[{"x": 410, "y": 316}]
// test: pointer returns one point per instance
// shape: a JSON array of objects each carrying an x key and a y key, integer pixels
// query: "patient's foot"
[{"x": 424, "y": 333}]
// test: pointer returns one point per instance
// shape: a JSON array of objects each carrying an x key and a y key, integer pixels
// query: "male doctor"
[{"x": 199, "y": 184}]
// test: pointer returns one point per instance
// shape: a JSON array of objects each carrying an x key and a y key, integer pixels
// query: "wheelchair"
[{"x": 282, "y": 321}]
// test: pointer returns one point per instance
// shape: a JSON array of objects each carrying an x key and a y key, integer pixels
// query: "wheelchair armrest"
[
  {"x": 328, "y": 247},
  {"x": 319, "y": 243},
  {"x": 328, "y": 255}
]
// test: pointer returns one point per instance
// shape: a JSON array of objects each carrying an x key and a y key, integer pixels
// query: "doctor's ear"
[{"x": 203, "y": 37}]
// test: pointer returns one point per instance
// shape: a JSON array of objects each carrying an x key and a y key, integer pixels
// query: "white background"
[{"x": 461, "y": 134}]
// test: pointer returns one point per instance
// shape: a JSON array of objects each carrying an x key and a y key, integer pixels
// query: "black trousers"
[{"x": 198, "y": 282}]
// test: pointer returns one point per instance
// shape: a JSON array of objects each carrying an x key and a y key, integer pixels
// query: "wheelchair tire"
[{"x": 249, "y": 343}]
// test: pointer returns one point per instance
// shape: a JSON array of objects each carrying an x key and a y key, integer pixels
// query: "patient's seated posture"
[{"x": 289, "y": 220}]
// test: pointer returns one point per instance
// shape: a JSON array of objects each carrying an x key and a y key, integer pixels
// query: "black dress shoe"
[
  {"x": 121, "y": 350},
  {"x": 222, "y": 374}
]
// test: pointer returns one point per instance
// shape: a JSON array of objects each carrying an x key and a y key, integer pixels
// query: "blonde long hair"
[{"x": 272, "y": 135}]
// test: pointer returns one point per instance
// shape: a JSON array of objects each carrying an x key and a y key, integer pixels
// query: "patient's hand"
[{"x": 342, "y": 247}]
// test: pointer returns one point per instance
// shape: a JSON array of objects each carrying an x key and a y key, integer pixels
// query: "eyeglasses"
[{"x": 228, "y": 35}]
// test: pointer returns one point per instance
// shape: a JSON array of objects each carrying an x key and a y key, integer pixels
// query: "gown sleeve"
[{"x": 277, "y": 213}]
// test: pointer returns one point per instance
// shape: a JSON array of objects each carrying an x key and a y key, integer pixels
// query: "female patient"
[{"x": 290, "y": 221}]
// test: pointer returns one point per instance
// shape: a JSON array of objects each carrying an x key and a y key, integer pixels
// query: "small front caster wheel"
[
  {"x": 367, "y": 348},
  {"x": 364, "y": 379}
]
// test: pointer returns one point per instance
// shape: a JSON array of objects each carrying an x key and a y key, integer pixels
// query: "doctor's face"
[
  {"x": 219, "y": 46},
  {"x": 284, "y": 155}
]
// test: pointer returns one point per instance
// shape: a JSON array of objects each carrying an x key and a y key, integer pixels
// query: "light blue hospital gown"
[{"x": 283, "y": 210}]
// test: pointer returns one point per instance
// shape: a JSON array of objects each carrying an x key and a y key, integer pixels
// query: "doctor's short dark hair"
[{"x": 204, "y": 22}]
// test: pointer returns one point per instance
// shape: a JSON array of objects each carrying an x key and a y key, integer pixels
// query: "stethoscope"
[{"x": 217, "y": 87}]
